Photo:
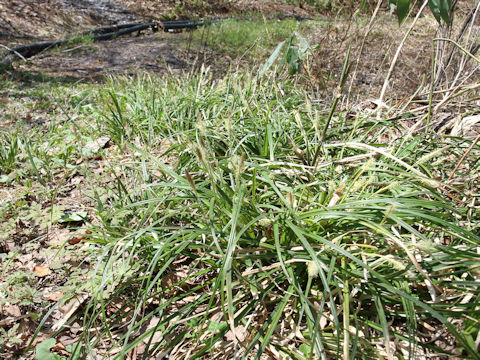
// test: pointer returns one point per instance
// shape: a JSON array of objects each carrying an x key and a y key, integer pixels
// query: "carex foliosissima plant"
[{"x": 225, "y": 235}]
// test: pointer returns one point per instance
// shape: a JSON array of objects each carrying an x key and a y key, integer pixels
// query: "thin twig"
[
  {"x": 463, "y": 157},
  {"x": 367, "y": 31},
  {"x": 399, "y": 49},
  {"x": 14, "y": 51}
]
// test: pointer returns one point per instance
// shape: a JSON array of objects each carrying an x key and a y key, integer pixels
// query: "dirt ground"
[
  {"x": 28, "y": 21},
  {"x": 49, "y": 18}
]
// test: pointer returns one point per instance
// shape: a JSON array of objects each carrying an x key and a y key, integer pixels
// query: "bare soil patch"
[
  {"x": 155, "y": 53},
  {"x": 26, "y": 21},
  {"x": 48, "y": 19},
  {"x": 53, "y": 18}
]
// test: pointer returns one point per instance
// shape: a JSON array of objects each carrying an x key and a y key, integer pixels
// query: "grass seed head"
[
  {"x": 313, "y": 269},
  {"x": 265, "y": 222},
  {"x": 291, "y": 201}
]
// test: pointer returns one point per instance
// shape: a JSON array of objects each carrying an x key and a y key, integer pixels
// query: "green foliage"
[
  {"x": 42, "y": 350},
  {"x": 19, "y": 288},
  {"x": 231, "y": 218},
  {"x": 49, "y": 140},
  {"x": 237, "y": 37},
  {"x": 9, "y": 336},
  {"x": 440, "y": 9},
  {"x": 43, "y": 217},
  {"x": 10, "y": 146},
  {"x": 189, "y": 9},
  {"x": 72, "y": 217},
  {"x": 403, "y": 6},
  {"x": 329, "y": 5},
  {"x": 297, "y": 51},
  {"x": 85, "y": 39}
]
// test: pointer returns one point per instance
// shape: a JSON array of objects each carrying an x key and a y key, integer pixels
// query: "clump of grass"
[
  {"x": 49, "y": 133},
  {"x": 225, "y": 236},
  {"x": 10, "y": 146}
]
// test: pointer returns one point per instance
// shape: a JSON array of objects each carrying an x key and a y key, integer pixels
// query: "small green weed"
[
  {"x": 9, "y": 336},
  {"x": 42, "y": 350},
  {"x": 236, "y": 37},
  {"x": 10, "y": 147}
]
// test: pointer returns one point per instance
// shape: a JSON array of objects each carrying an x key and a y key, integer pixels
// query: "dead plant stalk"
[
  {"x": 464, "y": 157},
  {"x": 397, "y": 54}
]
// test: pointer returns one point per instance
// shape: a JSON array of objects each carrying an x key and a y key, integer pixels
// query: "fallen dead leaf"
[
  {"x": 140, "y": 349},
  {"x": 61, "y": 349},
  {"x": 468, "y": 126},
  {"x": 53, "y": 296},
  {"x": 66, "y": 340},
  {"x": 240, "y": 331},
  {"x": 69, "y": 309},
  {"x": 58, "y": 346},
  {"x": 76, "y": 239},
  {"x": 323, "y": 322},
  {"x": 12, "y": 310},
  {"x": 170, "y": 279},
  {"x": 165, "y": 145},
  {"x": 97, "y": 144},
  {"x": 41, "y": 271},
  {"x": 75, "y": 328},
  {"x": 8, "y": 321},
  {"x": 59, "y": 237},
  {"x": 40, "y": 337}
]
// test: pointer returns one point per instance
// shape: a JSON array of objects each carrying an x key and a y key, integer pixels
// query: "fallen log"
[
  {"x": 187, "y": 24},
  {"x": 8, "y": 56},
  {"x": 112, "y": 35},
  {"x": 109, "y": 29}
]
